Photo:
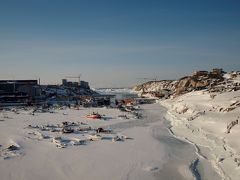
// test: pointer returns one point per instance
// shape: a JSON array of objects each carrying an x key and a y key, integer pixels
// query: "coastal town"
[
  {"x": 70, "y": 101},
  {"x": 74, "y": 115},
  {"x": 119, "y": 90}
]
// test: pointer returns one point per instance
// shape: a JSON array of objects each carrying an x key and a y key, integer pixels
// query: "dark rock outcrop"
[{"x": 213, "y": 81}]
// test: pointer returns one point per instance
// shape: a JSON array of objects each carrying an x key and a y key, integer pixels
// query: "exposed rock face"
[
  {"x": 199, "y": 80},
  {"x": 156, "y": 88},
  {"x": 213, "y": 81}
]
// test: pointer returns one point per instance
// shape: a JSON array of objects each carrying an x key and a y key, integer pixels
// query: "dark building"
[
  {"x": 12, "y": 86},
  {"x": 81, "y": 84},
  {"x": 84, "y": 85},
  {"x": 20, "y": 92},
  {"x": 64, "y": 82},
  {"x": 69, "y": 83},
  {"x": 11, "y": 99}
]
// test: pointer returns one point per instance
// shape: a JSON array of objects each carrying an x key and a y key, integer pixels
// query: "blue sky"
[{"x": 115, "y": 42}]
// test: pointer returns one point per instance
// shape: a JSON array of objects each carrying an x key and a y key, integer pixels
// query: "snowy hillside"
[{"x": 211, "y": 122}]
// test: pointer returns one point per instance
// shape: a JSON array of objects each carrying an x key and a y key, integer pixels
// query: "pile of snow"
[
  {"x": 210, "y": 122},
  {"x": 115, "y": 91},
  {"x": 234, "y": 76}
]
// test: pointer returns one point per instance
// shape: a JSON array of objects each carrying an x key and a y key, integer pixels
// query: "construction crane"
[{"x": 76, "y": 77}]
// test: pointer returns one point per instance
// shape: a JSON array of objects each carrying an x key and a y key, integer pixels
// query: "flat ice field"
[{"x": 33, "y": 147}]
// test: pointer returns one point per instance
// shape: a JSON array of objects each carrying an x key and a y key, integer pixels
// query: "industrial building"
[
  {"x": 80, "y": 84},
  {"x": 21, "y": 92}
]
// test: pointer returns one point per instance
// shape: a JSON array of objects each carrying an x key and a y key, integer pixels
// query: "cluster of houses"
[{"x": 30, "y": 92}]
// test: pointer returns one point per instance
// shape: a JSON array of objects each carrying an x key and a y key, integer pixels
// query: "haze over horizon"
[{"x": 116, "y": 43}]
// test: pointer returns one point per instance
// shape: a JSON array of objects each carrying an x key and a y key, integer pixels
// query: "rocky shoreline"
[
  {"x": 215, "y": 81},
  {"x": 204, "y": 110}
]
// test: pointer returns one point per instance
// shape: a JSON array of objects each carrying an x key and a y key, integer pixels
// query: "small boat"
[
  {"x": 94, "y": 116},
  {"x": 67, "y": 130},
  {"x": 105, "y": 131}
]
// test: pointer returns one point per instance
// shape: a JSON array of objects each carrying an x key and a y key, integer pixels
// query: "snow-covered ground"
[
  {"x": 148, "y": 150},
  {"x": 29, "y": 152},
  {"x": 120, "y": 90},
  {"x": 202, "y": 119},
  {"x": 120, "y": 93}
]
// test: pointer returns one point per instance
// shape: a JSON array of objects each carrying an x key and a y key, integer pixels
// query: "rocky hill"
[{"x": 214, "y": 81}]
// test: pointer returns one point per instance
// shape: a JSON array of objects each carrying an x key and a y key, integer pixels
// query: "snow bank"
[{"x": 204, "y": 120}]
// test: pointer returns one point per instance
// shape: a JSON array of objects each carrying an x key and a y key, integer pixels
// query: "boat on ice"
[{"x": 94, "y": 116}]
